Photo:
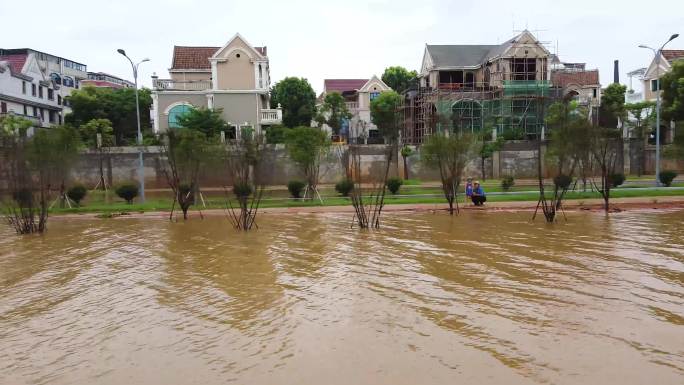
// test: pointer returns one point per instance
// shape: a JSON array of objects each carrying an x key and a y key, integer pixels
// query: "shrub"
[
  {"x": 242, "y": 190},
  {"x": 562, "y": 181},
  {"x": 76, "y": 193},
  {"x": 617, "y": 179},
  {"x": 127, "y": 191},
  {"x": 667, "y": 176},
  {"x": 344, "y": 187},
  {"x": 507, "y": 182},
  {"x": 514, "y": 134},
  {"x": 393, "y": 185},
  {"x": 295, "y": 188}
]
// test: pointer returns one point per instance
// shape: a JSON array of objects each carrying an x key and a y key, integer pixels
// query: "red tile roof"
[
  {"x": 197, "y": 58},
  {"x": 582, "y": 78},
  {"x": 673, "y": 54},
  {"x": 342, "y": 85},
  {"x": 16, "y": 61}
]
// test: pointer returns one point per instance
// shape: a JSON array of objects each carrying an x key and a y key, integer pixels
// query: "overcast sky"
[{"x": 320, "y": 39}]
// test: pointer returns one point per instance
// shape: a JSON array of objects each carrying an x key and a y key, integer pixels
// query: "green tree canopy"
[
  {"x": 205, "y": 120},
  {"x": 117, "y": 105},
  {"x": 398, "y": 78},
  {"x": 612, "y": 105},
  {"x": 297, "y": 99},
  {"x": 333, "y": 112},
  {"x": 90, "y": 131},
  {"x": 305, "y": 146},
  {"x": 449, "y": 154},
  {"x": 385, "y": 113},
  {"x": 672, "y": 84}
]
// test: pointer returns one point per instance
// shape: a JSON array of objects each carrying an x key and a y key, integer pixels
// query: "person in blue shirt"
[
  {"x": 469, "y": 188},
  {"x": 478, "y": 195}
]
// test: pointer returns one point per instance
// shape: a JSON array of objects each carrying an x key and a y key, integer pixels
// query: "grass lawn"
[{"x": 97, "y": 202}]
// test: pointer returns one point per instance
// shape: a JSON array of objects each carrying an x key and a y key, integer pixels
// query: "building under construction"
[{"x": 504, "y": 89}]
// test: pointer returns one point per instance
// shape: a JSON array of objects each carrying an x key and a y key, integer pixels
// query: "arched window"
[
  {"x": 176, "y": 112},
  {"x": 467, "y": 116},
  {"x": 56, "y": 78},
  {"x": 68, "y": 81}
]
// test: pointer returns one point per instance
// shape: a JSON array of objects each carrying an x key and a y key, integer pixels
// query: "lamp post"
[
  {"x": 141, "y": 166},
  {"x": 657, "y": 54}
]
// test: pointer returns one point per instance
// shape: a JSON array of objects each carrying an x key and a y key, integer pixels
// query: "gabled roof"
[
  {"x": 197, "y": 58},
  {"x": 16, "y": 61},
  {"x": 458, "y": 55},
  {"x": 343, "y": 85},
  {"x": 375, "y": 80},
  {"x": 673, "y": 54},
  {"x": 468, "y": 56}
]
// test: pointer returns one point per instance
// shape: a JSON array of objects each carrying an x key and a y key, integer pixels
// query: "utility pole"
[{"x": 141, "y": 166}]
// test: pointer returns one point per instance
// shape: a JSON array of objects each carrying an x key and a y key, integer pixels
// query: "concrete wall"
[{"x": 517, "y": 159}]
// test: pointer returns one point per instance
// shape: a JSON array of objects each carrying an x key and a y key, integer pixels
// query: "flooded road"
[{"x": 483, "y": 298}]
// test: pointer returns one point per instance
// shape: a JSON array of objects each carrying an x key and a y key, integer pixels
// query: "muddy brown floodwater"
[{"x": 483, "y": 298}]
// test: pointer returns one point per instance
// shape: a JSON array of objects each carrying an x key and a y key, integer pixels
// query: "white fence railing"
[
  {"x": 272, "y": 116},
  {"x": 188, "y": 85}
]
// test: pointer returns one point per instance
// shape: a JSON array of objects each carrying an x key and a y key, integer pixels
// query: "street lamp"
[
  {"x": 141, "y": 166},
  {"x": 657, "y": 54}
]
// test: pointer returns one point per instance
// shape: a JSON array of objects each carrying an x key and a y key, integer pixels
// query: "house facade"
[
  {"x": 37, "y": 85},
  {"x": 103, "y": 80},
  {"x": 234, "y": 78},
  {"x": 504, "y": 88},
  {"x": 358, "y": 94},
  {"x": 659, "y": 67}
]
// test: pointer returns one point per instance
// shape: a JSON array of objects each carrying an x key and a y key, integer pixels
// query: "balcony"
[
  {"x": 271, "y": 116},
  {"x": 351, "y": 106},
  {"x": 177, "y": 85},
  {"x": 634, "y": 97}
]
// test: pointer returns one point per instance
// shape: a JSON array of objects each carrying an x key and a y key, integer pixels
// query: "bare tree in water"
[
  {"x": 605, "y": 145},
  {"x": 450, "y": 153},
  {"x": 32, "y": 166},
  {"x": 185, "y": 151},
  {"x": 568, "y": 131},
  {"x": 369, "y": 202},
  {"x": 243, "y": 161}
]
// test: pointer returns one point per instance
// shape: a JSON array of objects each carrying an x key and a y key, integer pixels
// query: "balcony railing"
[
  {"x": 181, "y": 85},
  {"x": 272, "y": 116},
  {"x": 352, "y": 105}
]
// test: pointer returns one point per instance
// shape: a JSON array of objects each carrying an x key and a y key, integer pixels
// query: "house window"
[
  {"x": 595, "y": 93},
  {"x": 23, "y": 87},
  {"x": 40, "y": 92},
  {"x": 56, "y": 78},
  {"x": 524, "y": 68},
  {"x": 25, "y": 110},
  {"x": 68, "y": 81},
  {"x": 466, "y": 116},
  {"x": 176, "y": 112},
  {"x": 654, "y": 85},
  {"x": 51, "y": 116},
  {"x": 3, "y": 107},
  {"x": 374, "y": 95},
  {"x": 51, "y": 94},
  {"x": 59, "y": 99},
  {"x": 35, "y": 111},
  {"x": 33, "y": 89}
]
